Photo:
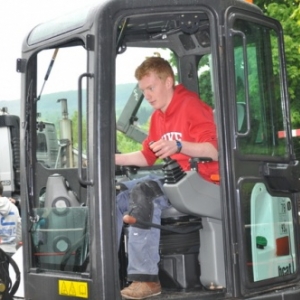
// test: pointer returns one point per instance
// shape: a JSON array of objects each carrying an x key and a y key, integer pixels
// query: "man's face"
[{"x": 157, "y": 92}]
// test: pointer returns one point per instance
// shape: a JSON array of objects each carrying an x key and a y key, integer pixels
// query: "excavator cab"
[{"x": 245, "y": 245}]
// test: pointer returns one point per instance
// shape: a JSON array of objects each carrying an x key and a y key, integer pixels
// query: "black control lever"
[
  {"x": 166, "y": 159},
  {"x": 172, "y": 170}
]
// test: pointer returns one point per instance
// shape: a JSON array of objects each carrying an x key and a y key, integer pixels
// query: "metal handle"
[
  {"x": 247, "y": 100},
  {"x": 80, "y": 176}
]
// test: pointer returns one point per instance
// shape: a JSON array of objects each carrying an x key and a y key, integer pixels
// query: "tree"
[
  {"x": 287, "y": 12},
  {"x": 74, "y": 120}
]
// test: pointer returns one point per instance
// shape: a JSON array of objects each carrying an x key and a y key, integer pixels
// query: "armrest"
[{"x": 195, "y": 160}]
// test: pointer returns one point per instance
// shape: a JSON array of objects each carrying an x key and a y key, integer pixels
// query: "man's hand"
[{"x": 163, "y": 148}]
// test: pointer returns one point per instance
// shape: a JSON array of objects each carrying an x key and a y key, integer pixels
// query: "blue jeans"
[{"x": 143, "y": 244}]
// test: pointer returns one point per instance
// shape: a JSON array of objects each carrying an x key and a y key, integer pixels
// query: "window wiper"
[
  {"x": 120, "y": 47},
  {"x": 48, "y": 73}
]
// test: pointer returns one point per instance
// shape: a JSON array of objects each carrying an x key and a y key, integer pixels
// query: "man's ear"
[{"x": 169, "y": 82}]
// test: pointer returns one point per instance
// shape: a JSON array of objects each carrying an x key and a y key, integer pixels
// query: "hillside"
[{"x": 49, "y": 102}]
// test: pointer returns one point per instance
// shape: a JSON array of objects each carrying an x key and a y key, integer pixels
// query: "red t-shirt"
[{"x": 187, "y": 118}]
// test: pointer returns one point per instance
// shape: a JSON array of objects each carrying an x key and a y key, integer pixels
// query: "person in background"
[
  {"x": 9, "y": 216},
  {"x": 182, "y": 126}
]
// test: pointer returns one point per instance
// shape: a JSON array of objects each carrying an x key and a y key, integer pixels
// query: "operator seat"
[
  {"x": 191, "y": 195},
  {"x": 192, "y": 199}
]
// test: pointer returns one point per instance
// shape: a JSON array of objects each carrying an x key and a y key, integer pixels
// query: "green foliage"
[
  {"x": 205, "y": 88},
  {"x": 74, "y": 120},
  {"x": 288, "y": 13},
  {"x": 126, "y": 144}
]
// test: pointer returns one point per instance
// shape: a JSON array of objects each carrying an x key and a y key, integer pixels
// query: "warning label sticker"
[{"x": 73, "y": 288}]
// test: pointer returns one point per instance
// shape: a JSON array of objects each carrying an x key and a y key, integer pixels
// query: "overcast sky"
[{"x": 17, "y": 18}]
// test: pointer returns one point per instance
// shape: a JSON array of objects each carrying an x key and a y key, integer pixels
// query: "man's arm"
[
  {"x": 164, "y": 148},
  {"x": 131, "y": 159},
  {"x": 199, "y": 150}
]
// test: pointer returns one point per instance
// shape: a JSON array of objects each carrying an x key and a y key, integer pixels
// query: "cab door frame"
[{"x": 253, "y": 167}]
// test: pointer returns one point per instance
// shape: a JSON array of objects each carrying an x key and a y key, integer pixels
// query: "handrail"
[
  {"x": 80, "y": 176},
  {"x": 246, "y": 82}
]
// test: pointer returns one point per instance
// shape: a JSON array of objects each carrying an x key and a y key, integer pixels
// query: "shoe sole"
[{"x": 152, "y": 295}]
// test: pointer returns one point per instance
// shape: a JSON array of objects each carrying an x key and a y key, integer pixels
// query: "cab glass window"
[
  {"x": 57, "y": 107},
  {"x": 259, "y": 121},
  {"x": 60, "y": 205}
]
